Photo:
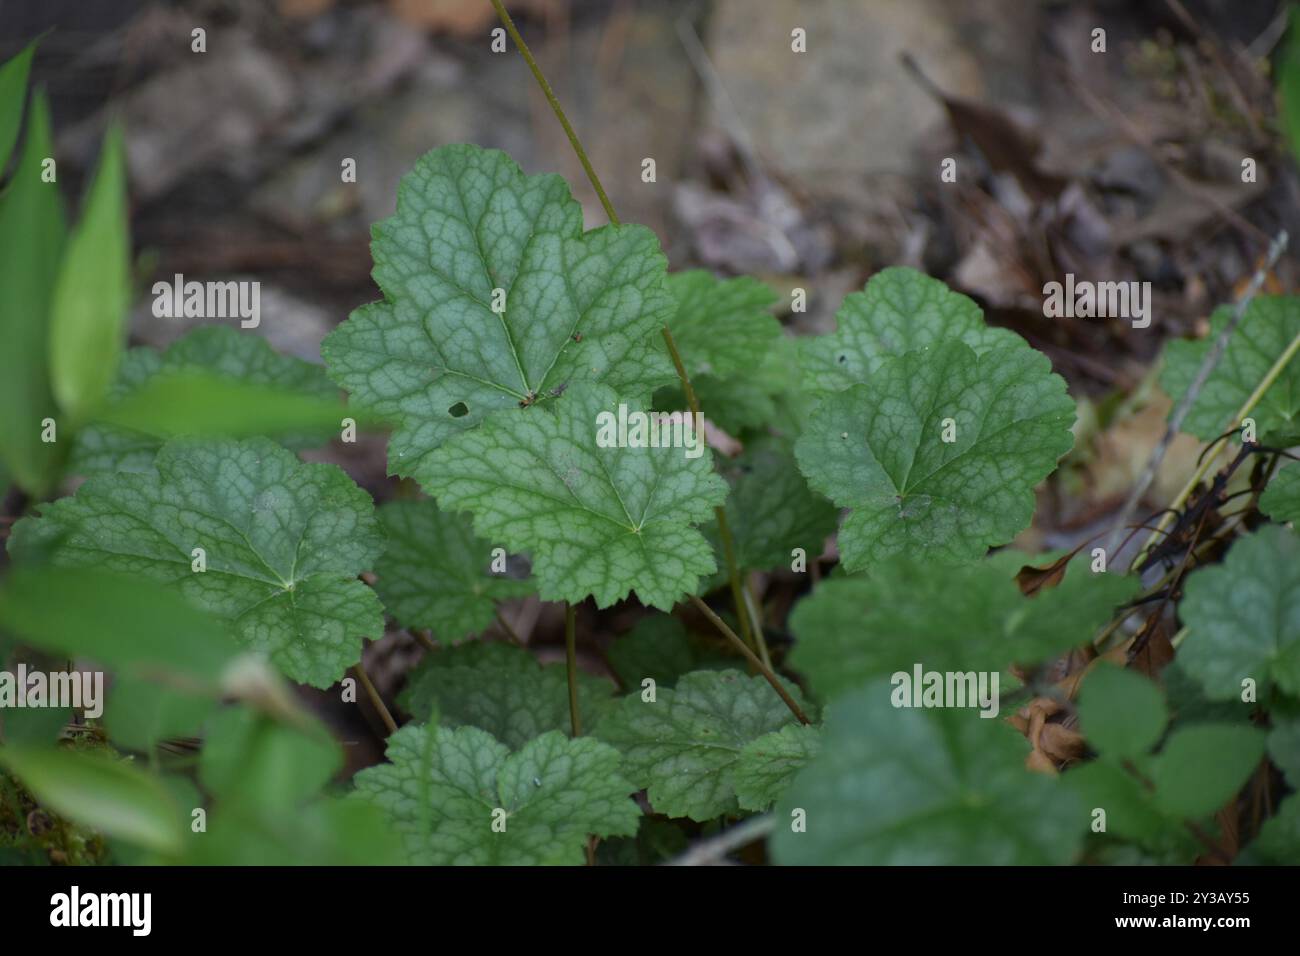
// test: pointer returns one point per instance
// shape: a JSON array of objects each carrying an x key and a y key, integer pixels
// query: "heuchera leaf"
[
  {"x": 771, "y": 510},
  {"x": 503, "y": 690},
  {"x": 283, "y": 542},
  {"x": 684, "y": 746},
  {"x": 435, "y": 358},
  {"x": 244, "y": 361},
  {"x": 1267, "y": 328},
  {"x": 899, "y": 310},
  {"x": 1243, "y": 617},
  {"x": 879, "y": 449},
  {"x": 722, "y": 327},
  {"x": 974, "y": 617},
  {"x": 1281, "y": 499},
  {"x": 1202, "y": 766},
  {"x": 597, "y": 521},
  {"x": 658, "y": 647},
  {"x": 920, "y": 787},
  {"x": 1284, "y": 748},
  {"x": 32, "y": 233},
  {"x": 442, "y": 786},
  {"x": 436, "y": 573},
  {"x": 768, "y": 764}
]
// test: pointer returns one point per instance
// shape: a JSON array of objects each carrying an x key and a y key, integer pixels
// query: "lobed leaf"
[
  {"x": 436, "y": 573},
  {"x": 599, "y": 522},
  {"x": 684, "y": 747},
  {"x": 435, "y": 357},
  {"x": 879, "y": 448},
  {"x": 442, "y": 786},
  {"x": 284, "y": 542}
]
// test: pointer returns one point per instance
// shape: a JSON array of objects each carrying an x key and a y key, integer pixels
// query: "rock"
[{"x": 846, "y": 107}]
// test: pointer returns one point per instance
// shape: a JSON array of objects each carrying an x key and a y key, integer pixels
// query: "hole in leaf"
[{"x": 459, "y": 410}]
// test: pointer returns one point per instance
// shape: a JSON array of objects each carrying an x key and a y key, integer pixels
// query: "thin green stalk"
[
  {"x": 724, "y": 532},
  {"x": 571, "y": 666},
  {"x": 741, "y": 646},
  {"x": 556, "y": 108}
]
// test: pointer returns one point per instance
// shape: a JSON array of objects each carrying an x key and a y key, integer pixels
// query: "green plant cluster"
[{"x": 915, "y": 433}]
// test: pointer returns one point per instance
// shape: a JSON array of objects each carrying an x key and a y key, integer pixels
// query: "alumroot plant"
[{"x": 523, "y": 364}]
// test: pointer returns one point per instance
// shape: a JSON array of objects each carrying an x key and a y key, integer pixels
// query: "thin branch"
[
  {"x": 571, "y": 666},
  {"x": 375, "y": 699},
  {"x": 741, "y": 646},
  {"x": 715, "y": 849},
  {"x": 556, "y": 108},
  {"x": 1208, "y": 365}
]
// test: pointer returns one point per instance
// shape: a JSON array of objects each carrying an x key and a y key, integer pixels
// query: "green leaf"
[
  {"x": 249, "y": 758},
  {"x": 1122, "y": 713},
  {"x": 1201, "y": 767},
  {"x": 1281, "y": 499},
  {"x": 768, "y": 764},
  {"x": 684, "y": 746},
  {"x": 1267, "y": 328},
  {"x": 923, "y": 787},
  {"x": 435, "y": 358},
  {"x": 597, "y": 521},
  {"x": 771, "y": 511},
  {"x": 33, "y": 726},
  {"x": 327, "y": 832},
  {"x": 441, "y": 788},
  {"x": 130, "y": 624},
  {"x": 1243, "y": 617},
  {"x": 970, "y": 618},
  {"x": 503, "y": 690},
  {"x": 106, "y": 794},
  {"x": 93, "y": 291},
  {"x": 1284, "y": 748},
  {"x": 284, "y": 542},
  {"x": 763, "y": 398},
  {"x": 215, "y": 381},
  {"x": 1278, "y": 843},
  {"x": 899, "y": 310},
  {"x": 722, "y": 327},
  {"x": 140, "y": 712},
  {"x": 1131, "y": 814},
  {"x": 659, "y": 648},
  {"x": 879, "y": 449},
  {"x": 437, "y": 574},
  {"x": 31, "y": 233},
  {"x": 13, "y": 93}
]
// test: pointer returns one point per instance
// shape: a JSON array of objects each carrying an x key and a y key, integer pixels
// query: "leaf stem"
[
  {"x": 741, "y": 646},
  {"x": 571, "y": 666},
  {"x": 375, "y": 699},
  {"x": 556, "y": 108},
  {"x": 724, "y": 532}
]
